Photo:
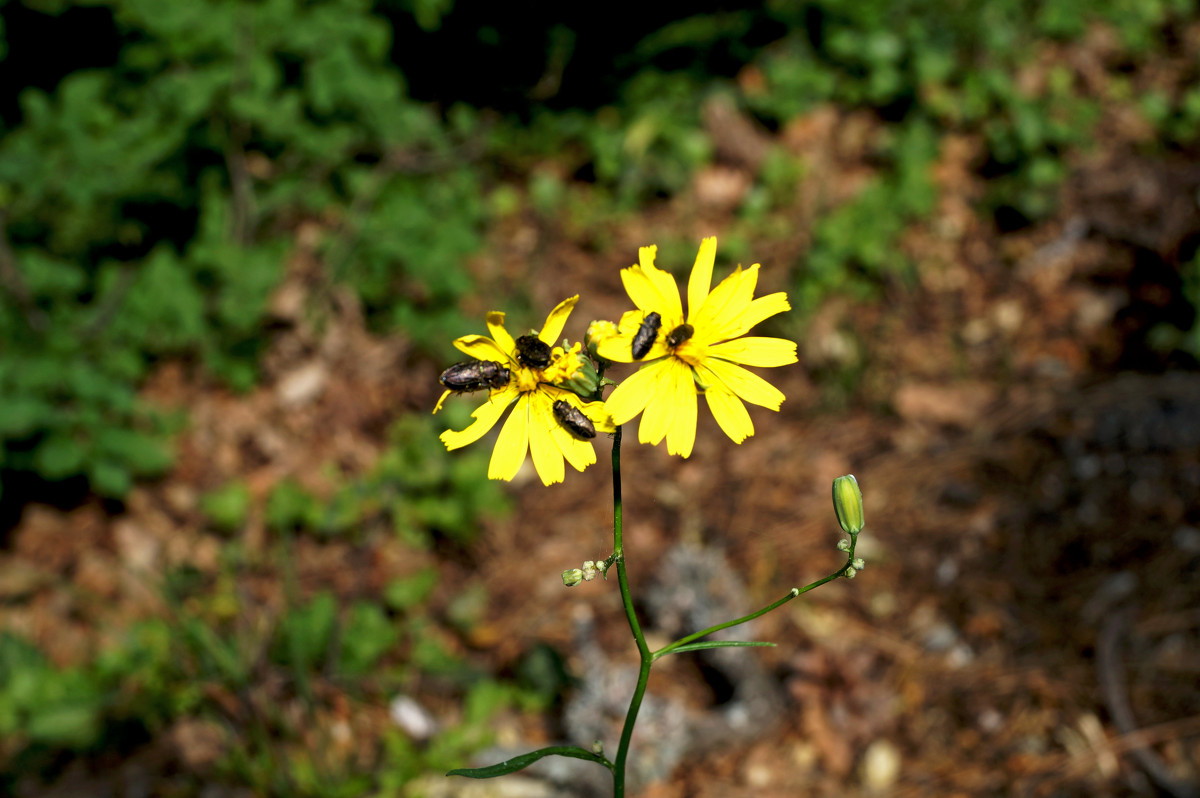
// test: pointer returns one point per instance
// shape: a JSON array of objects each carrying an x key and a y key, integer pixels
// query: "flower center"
[
  {"x": 527, "y": 379},
  {"x": 690, "y": 352}
]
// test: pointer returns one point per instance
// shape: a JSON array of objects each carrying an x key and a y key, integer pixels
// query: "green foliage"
[
  {"x": 948, "y": 66},
  {"x": 647, "y": 146},
  {"x": 46, "y": 710},
  {"x": 406, "y": 593},
  {"x": 1176, "y": 117},
  {"x": 414, "y": 488},
  {"x": 160, "y": 672},
  {"x": 46, "y": 706},
  {"x": 228, "y": 506},
  {"x": 147, "y": 210},
  {"x": 429, "y": 227},
  {"x": 367, "y": 635},
  {"x": 854, "y": 246},
  {"x": 306, "y": 632}
]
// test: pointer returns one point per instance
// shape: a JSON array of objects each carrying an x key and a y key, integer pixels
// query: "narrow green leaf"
[
  {"x": 525, "y": 760},
  {"x": 719, "y": 644}
]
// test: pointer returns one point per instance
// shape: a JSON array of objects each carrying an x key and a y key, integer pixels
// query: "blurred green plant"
[
  {"x": 228, "y": 506},
  {"x": 413, "y": 489},
  {"x": 148, "y": 210},
  {"x": 854, "y": 246},
  {"x": 160, "y": 673}
]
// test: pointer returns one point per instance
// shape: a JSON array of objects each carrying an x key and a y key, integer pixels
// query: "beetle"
[
  {"x": 680, "y": 334},
  {"x": 532, "y": 352},
  {"x": 574, "y": 420},
  {"x": 474, "y": 375},
  {"x": 645, "y": 336}
]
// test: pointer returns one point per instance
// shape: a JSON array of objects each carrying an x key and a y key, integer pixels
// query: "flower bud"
[
  {"x": 572, "y": 577},
  {"x": 597, "y": 333},
  {"x": 847, "y": 503},
  {"x": 598, "y": 747},
  {"x": 590, "y": 570},
  {"x": 579, "y": 372},
  {"x": 858, "y": 563},
  {"x": 843, "y": 545}
]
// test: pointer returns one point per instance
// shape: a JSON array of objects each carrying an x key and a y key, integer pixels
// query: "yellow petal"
[
  {"x": 670, "y": 394},
  {"x": 701, "y": 278},
  {"x": 642, "y": 289},
  {"x": 482, "y": 348},
  {"x": 754, "y": 351},
  {"x": 730, "y": 414},
  {"x": 557, "y": 319},
  {"x": 652, "y": 289},
  {"x": 750, "y": 387},
  {"x": 762, "y": 308},
  {"x": 579, "y": 453},
  {"x": 438, "y": 406},
  {"x": 486, "y": 416},
  {"x": 599, "y": 415},
  {"x": 631, "y": 321},
  {"x": 631, "y": 396},
  {"x": 547, "y": 456},
  {"x": 671, "y": 307},
  {"x": 617, "y": 348},
  {"x": 681, "y": 434},
  {"x": 495, "y": 323},
  {"x": 726, "y": 303},
  {"x": 512, "y": 443}
]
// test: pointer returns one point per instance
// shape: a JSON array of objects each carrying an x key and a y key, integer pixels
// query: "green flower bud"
[
  {"x": 858, "y": 563},
  {"x": 847, "y": 503},
  {"x": 582, "y": 377},
  {"x": 572, "y": 577}
]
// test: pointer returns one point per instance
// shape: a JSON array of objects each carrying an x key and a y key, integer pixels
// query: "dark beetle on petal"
[
  {"x": 474, "y": 375},
  {"x": 645, "y": 336},
  {"x": 574, "y": 420},
  {"x": 532, "y": 352},
  {"x": 680, "y": 334}
]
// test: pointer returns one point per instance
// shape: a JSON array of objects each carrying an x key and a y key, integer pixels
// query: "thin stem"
[
  {"x": 635, "y": 703},
  {"x": 791, "y": 594}
]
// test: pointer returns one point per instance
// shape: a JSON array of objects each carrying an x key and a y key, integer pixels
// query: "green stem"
[
  {"x": 635, "y": 703},
  {"x": 791, "y": 594}
]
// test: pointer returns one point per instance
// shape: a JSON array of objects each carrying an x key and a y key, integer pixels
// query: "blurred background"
[{"x": 238, "y": 238}]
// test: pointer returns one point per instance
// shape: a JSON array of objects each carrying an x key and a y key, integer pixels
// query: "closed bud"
[
  {"x": 572, "y": 577},
  {"x": 580, "y": 373},
  {"x": 590, "y": 570},
  {"x": 858, "y": 563},
  {"x": 597, "y": 333},
  {"x": 848, "y": 504}
]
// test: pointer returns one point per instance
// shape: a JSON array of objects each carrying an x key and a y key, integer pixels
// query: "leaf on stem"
[
  {"x": 719, "y": 644},
  {"x": 525, "y": 760}
]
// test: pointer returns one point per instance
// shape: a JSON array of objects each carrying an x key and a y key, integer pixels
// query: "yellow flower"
[
  {"x": 699, "y": 354},
  {"x": 533, "y": 425}
]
